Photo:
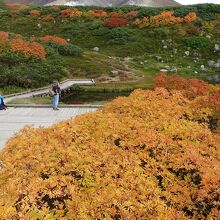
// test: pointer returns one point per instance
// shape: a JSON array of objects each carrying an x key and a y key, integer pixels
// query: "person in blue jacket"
[{"x": 2, "y": 104}]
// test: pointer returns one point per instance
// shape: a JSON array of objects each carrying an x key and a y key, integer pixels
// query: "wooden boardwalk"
[
  {"x": 15, "y": 118},
  {"x": 63, "y": 85}
]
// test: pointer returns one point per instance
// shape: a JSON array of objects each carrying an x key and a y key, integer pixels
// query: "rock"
[
  {"x": 167, "y": 67},
  {"x": 202, "y": 67},
  {"x": 114, "y": 72},
  {"x": 165, "y": 47},
  {"x": 163, "y": 70},
  {"x": 187, "y": 53},
  {"x": 213, "y": 78},
  {"x": 96, "y": 49},
  {"x": 216, "y": 47},
  {"x": 158, "y": 58},
  {"x": 127, "y": 58},
  {"x": 211, "y": 63},
  {"x": 173, "y": 70},
  {"x": 216, "y": 65}
]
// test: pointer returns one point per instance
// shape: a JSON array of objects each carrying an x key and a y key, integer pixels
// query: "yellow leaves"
[
  {"x": 164, "y": 18},
  {"x": 120, "y": 161}
]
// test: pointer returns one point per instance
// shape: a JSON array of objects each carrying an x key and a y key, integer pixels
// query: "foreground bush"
[
  {"x": 70, "y": 50},
  {"x": 149, "y": 156}
]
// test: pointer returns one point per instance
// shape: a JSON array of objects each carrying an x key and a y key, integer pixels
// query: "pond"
[{"x": 90, "y": 97}]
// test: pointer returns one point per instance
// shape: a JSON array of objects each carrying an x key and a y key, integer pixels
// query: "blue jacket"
[{"x": 1, "y": 100}]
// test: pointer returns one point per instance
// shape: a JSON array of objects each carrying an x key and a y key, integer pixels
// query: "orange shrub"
[
  {"x": 164, "y": 18},
  {"x": 139, "y": 158},
  {"x": 27, "y": 48},
  {"x": 190, "y": 17},
  {"x": 98, "y": 13},
  {"x": 4, "y": 35},
  {"x": 114, "y": 14},
  {"x": 131, "y": 14},
  {"x": 68, "y": 13},
  {"x": 54, "y": 39},
  {"x": 115, "y": 22},
  {"x": 48, "y": 18},
  {"x": 35, "y": 12}
]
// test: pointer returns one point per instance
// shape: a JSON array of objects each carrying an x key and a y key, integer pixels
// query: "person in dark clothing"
[
  {"x": 56, "y": 94},
  {"x": 2, "y": 104}
]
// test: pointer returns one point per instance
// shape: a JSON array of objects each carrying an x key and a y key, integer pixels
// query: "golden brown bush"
[{"x": 138, "y": 158}]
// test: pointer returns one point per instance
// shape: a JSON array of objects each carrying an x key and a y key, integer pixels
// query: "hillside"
[{"x": 123, "y": 47}]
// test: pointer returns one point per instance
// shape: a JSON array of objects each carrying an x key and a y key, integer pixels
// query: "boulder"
[
  {"x": 187, "y": 53},
  {"x": 163, "y": 70},
  {"x": 203, "y": 67},
  {"x": 96, "y": 49},
  {"x": 173, "y": 70},
  {"x": 114, "y": 72},
  {"x": 216, "y": 65},
  {"x": 127, "y": 58},
  {"x": 216, "y": 47},
  {"x": 211, "y": 63},
  {"x": 158, "y": 58}
]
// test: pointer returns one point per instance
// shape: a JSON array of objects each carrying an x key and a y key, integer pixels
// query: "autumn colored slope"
[{"x": 152, "y": 155}]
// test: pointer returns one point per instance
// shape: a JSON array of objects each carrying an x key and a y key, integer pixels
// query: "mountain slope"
[{"x": 104, "y": 3}]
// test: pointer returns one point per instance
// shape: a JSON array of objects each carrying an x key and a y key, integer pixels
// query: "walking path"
[
  {"x": 63, "y": 85},
  {"x": 15, "y": 118}
]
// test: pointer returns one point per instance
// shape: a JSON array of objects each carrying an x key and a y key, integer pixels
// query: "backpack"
[{"x": 51, "y": 92}]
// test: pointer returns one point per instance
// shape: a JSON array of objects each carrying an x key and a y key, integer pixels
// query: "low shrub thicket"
[
  {"x": 70, "y": 50},
  {"x": 153, "y": 155},
  {"x": 197, "y": 42}
]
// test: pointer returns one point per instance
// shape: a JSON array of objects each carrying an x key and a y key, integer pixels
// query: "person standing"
[
  {"x": 56, "y": 94},
  {"x": 2, "y": 104}
]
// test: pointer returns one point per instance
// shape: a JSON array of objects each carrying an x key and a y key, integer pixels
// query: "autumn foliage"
[
  {"x": 4, "y": 35},
  {"x": 19, "y": 45},
  {"x": 68, "y": 13},
  {"x": 115, "y": 22},
  {"x": 27, "y": 48},
  {"x": 35, "y": 12},
  {"x": 164, "y": 18},
  {"x": 54, "y": 39},
  {"x": 152, "y": 155}
]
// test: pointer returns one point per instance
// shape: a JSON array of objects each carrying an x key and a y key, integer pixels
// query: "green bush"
[
  {"x": 70, "y": 50},
  {"x": 121, "y": 36},
  {"x": 101, "y": 31},
  {"x": 161, "y": 32},
  {"x": 197, "y": 42},
  {"x": 95, "y": 25}
]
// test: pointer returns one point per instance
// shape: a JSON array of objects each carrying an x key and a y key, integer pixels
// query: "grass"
[{"x": 145, "y": 44}]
